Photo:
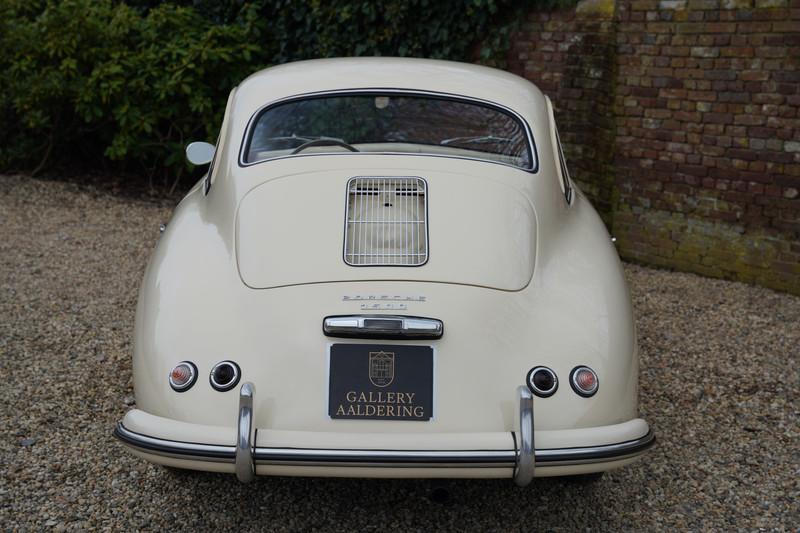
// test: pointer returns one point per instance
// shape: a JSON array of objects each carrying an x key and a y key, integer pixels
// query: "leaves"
[{"x": 131, "y": 82}]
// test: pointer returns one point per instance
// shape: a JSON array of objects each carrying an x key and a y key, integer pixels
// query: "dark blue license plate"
[{"x": 381, "y": 382}]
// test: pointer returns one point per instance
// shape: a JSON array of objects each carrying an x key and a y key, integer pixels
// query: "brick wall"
[{"x": 681, "y": 120}]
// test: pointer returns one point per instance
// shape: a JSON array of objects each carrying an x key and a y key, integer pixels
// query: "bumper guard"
[{"x": 245, "y": 434}]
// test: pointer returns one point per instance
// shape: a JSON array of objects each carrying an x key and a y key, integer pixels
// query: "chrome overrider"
[
  {"x": 245, "y": 434},
  {"x": 524, "y": 459}
]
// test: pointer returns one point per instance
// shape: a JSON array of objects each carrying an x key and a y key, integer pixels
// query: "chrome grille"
[{"x": 386, "y": 221}]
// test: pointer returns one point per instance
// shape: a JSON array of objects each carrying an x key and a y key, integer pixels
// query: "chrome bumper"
[{"x": 523, "y": 458}]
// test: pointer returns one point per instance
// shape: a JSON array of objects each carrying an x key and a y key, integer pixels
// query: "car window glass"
[{"x": 391, "y": 123}]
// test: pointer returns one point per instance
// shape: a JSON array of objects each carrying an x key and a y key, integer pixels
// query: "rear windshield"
[{"x": 389, "y": 123}]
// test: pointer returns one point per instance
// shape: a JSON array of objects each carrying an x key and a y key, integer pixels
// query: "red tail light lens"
[
  {"x": 183, "y": 376},
  {"x": 584, "y": 381}
]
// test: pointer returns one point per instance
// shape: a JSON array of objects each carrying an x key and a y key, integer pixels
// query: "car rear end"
[
  {"x": 424, "y": 306},
  {"x": 389, "y": 340}
]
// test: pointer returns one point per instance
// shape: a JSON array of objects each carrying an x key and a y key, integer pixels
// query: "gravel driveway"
[{"x": 719, "y": 383}]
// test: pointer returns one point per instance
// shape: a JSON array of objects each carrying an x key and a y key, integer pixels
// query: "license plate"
[{"x": 381, "y": 382}]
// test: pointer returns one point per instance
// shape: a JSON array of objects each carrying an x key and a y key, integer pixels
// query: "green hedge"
[{"x": 97, "y": 84}]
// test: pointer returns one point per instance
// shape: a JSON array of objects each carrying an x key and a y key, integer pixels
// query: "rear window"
[{"x": 389, "y": 123}]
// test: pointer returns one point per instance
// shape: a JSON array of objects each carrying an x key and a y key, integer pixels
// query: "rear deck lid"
[{"x": 334, "y": 226}]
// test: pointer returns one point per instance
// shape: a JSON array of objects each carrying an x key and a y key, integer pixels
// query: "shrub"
[
  {"x": 89, "y": 80},
  {"x": 93, "y": 83}
]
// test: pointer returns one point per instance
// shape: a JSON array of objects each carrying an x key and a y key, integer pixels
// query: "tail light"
[
  {"x": 584, "y": 381},
  {"x": 183, "y": 376},
  {"x": 542, "y": 381},
  {"x": 225, "y": 375}
]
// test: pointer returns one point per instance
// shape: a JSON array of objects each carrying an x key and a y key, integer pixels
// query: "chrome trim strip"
[
  {"x": 526, "y": 459},
  {"x": 595, "y": 454},
  {"x": 385, "y": 458},
  {"x": 206, "y": 452},
  {"x": 382, "y": 327},
  {"x": 534, "y": 168},
  {"x": 245, "y": 465}
]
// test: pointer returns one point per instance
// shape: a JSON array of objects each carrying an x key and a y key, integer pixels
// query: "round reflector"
[
  {"x": 225, "y": 375},
  {"x": 584, "y": 381},
  {"x": 542, "y": 381},
  {"x": 183, "y": 376}
]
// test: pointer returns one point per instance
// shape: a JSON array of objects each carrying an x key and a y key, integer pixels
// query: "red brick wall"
[
  {"x": 681, "y": 119},
  {"x": 572, "y": 59}
]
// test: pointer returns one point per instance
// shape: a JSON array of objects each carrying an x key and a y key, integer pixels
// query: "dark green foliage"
[
  {"x": 96, "y": 82},
  {"x": 88, "y": 81}
]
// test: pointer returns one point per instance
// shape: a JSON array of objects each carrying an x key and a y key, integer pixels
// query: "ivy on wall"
[{"x": 99, "y": 84}]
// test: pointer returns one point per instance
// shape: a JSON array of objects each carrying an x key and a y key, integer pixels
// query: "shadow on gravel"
[{"x": 365, "y": 504}]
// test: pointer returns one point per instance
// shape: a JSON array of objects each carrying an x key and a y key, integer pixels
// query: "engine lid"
[{"x": 333, "y": 226}]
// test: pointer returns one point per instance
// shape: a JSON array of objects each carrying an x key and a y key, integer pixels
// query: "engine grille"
[{"x": 386, "y": 221}]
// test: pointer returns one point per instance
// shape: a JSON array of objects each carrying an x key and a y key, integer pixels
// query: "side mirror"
[{"x": 200, "y": 153}]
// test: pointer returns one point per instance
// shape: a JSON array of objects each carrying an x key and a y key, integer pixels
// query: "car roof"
[{"x": 447, "y": 77}]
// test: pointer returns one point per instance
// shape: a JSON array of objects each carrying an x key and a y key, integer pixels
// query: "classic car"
[{"x": 386, "y": 272}]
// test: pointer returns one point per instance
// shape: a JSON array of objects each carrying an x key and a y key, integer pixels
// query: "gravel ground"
[{"x": 719, "y": 384}]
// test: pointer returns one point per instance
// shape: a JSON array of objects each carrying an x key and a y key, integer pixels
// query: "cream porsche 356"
[{"x": 386, "y": 272}]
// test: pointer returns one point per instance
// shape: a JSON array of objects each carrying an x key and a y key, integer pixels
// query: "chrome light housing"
[
  {"x": 542, "y": 381},
  {"x": 584, "y": 381},
  {"x": 225, "y": 375},
  {"x": 183, "y": 376}
]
